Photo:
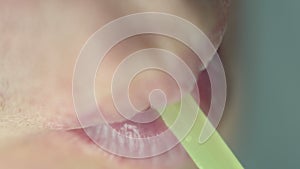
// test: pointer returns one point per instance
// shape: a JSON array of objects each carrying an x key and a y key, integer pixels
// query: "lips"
[{"x": 127, "y": 138}]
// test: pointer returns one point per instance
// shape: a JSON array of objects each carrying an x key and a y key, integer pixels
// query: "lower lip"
[{"x": 172, "y": 158}]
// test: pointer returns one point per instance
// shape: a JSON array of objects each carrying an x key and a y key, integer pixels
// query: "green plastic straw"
[{"x": 212, "y": 154}]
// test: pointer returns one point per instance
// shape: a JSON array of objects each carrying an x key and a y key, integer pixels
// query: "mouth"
[
  {"x": 87, "y": 148},
  {"x": 118, "y": 140}
]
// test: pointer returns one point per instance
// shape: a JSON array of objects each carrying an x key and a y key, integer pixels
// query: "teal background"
[{"x": 266, "y": 47}]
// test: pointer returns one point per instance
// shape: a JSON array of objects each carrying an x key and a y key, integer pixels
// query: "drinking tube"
[{"x": 212, "y": 154}]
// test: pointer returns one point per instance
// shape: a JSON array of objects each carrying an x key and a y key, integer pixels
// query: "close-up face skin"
[{"x": 39, "y": 44}]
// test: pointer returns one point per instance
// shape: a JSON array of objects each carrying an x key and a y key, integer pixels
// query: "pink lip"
[
  {"x": 133, "y": 139},
  {"x": 170, "y": 159}
]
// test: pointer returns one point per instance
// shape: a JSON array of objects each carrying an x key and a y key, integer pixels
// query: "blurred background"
[{"x": 262, "y": 62}]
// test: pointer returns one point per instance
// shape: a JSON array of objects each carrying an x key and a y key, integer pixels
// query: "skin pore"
[{"x": 39, "y": 44}]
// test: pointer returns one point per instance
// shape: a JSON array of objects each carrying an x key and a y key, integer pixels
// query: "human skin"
[{"x": 39, "y": 44}]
